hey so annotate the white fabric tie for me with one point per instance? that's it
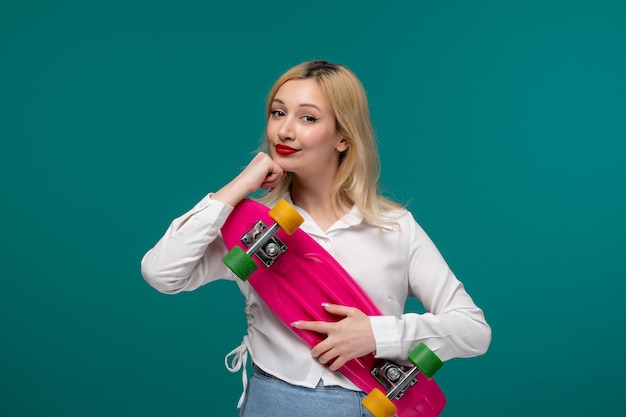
(239, 361)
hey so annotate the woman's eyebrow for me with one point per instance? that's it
(300, 105)
(310, 105)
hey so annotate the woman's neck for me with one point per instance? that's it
(315, 197)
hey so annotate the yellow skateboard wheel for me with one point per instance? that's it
(379, 405)
(286, 216)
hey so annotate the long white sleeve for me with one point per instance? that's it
(453, 325)
(189, 256)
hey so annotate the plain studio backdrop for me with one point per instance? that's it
(500, 125)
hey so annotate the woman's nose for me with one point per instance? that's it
(286, 130)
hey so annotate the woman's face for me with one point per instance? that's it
(301, 130)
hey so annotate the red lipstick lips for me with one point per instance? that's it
(285, 150)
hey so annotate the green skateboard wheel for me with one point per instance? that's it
(240, 263)
(426, 360)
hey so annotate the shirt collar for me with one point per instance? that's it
(354, 217)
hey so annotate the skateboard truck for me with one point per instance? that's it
(262, 242)
(395, 378)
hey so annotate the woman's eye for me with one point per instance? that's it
(277, 113)
(309, 119)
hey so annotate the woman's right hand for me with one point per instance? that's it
(261, 172)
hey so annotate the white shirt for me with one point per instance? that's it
(390, 264)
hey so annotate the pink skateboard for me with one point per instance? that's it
(294, 275)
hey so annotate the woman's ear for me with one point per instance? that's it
(343, 145)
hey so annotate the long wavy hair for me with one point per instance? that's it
(357, 180)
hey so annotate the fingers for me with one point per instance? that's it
(333, 360)
(346, 339)
(261, 172)
(272, 180)
(339, 310)
(325, 352)
(323, 326)
(268, 172)
(314, 326)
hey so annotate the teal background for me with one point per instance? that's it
(501, 125)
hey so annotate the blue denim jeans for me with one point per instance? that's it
(268, 396)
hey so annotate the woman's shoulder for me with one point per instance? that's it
(394, 218)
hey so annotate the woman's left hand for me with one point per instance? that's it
(348, 338)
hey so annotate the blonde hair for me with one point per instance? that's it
(357, 180)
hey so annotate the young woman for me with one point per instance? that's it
(320, 155)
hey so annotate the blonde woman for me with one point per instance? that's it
(320, 154)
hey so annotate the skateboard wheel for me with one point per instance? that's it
(240, 263)
(286, 216)
(379, 405)
(425, 359)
